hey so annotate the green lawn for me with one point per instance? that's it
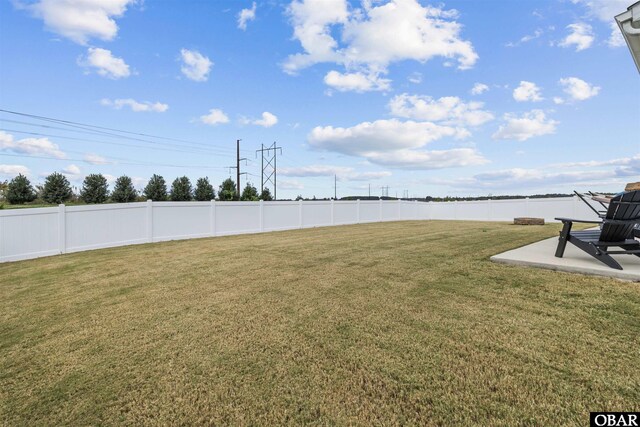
(392, 323)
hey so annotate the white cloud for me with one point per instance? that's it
(415, 78)
(288, 184)
(136, 106)
(266, 121)
(80, 20)
(30, 146)
(13, 170)
(429, 159)
(374, 36)
(94, 159)
(195, 66)
(449, 110)
(527, 38)
(605, 10)
(245, 16)
(343, 173)
(72, 170)
(578, 89)
(530, 124)
(357, 82)
(581, 36)
(104, 63)
(395, 143)
(479, 88)
(527, 91)
(558, 100)
(215, 117)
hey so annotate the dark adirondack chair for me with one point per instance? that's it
(616, 230)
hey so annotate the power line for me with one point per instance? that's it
(70, 138)
(113, 163)
(84, 125)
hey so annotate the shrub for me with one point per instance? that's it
(249, 193)
(123, 191)
(156, 189)
(56, 189)
(266, 195)
(181, 190)
(227, 190)
(94, 189)
(19, 190)
(204, 190)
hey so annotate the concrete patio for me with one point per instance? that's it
(541, 255)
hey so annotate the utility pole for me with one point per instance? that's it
(369, 190)
(237, 167)
(269, 165)
(335, 187)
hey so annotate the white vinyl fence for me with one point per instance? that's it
(38, 232)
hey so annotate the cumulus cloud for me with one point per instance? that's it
(479, 88)
(580, 35)
(245, 16)
(94, 159)
(136, 106)
(527, 91)
(394, 143)
(577, 89)
(530, 124)
(30, 146)
(343, 173)
(356, 82)
(604, 11)
(195, 66)
(448, 110)
(13, 170)
(104, 63)
(268, 119)
(80, 21)
(214, 117)
(374, 36)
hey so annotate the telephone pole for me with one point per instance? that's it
(269, 167)
(335, 187)
(237, 167)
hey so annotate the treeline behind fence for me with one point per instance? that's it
(37, 232)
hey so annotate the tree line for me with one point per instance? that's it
(95, 189)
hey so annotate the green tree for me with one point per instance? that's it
(123, 191)
(19, 190)
(94, 189)
(227, 190)
(250, 193)
(156, 189)
(181, 190)
(266, 195)
(56, 189)
(204, 190)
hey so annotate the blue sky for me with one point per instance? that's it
(431, 98)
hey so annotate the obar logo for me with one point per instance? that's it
(614, 419)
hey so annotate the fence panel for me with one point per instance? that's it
(280, 216)
(29, 233)
(181, 220)
(95, 226)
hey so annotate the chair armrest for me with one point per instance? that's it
(585, 221)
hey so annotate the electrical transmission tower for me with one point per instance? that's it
(385, 191)
(269, 167)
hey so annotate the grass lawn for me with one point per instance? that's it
(392, 323)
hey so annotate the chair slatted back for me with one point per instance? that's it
(628, 209)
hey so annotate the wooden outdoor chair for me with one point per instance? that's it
(616, 230)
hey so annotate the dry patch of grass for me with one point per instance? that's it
(394, 323)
